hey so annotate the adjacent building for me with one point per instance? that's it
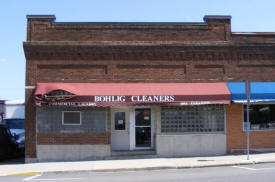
(2, 102)
(14, 109)
(99, 89)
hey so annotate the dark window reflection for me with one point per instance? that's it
(143, 117)
(143, 127)
(261, 116)
(143, 136)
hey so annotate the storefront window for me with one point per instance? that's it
(261, 116)
(196, 119)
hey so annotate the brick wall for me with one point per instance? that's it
(30, 125)
(46, 29)
(264, 37)
(236, 137)
(73, 138)
(140, 52)
(154, 71)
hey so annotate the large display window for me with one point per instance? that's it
(261, 116)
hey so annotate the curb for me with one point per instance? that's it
(20, 173)
(139, 169)
(159, 168)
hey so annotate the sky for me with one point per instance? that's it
(247, 16)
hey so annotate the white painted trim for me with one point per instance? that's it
(29, 87)
(225, 121)
(80, 119)
(153, 125)
(132, 128)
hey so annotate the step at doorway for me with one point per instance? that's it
(133, 152)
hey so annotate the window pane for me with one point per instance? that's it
(143, 117)
(71, 117)
(15, 123)
(120, 120)
(2, 131)
(261, 116)
(143, 136)
(196, 119)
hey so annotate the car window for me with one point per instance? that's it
(15, 123)
(8, 131)
(3, 131)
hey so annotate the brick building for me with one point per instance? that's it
(97, 89)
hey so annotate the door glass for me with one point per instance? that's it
(143, 127)
(143, 136)
(119, 120)
(143, 117)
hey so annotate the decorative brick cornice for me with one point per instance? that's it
(160, 52)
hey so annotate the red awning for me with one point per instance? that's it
(111, 94)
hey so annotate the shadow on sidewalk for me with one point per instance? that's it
(18, 160)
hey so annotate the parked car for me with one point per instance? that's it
(8, 144)
(17, 129)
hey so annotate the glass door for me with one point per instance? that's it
(143, 128)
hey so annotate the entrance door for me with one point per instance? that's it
(143, 128)
(120, 138)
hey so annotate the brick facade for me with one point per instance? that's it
(236, 136)
(142, 52)
(73, 138)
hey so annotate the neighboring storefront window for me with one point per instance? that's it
(261, 116)
(196, 119)
(71, 118)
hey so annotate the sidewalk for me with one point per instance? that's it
(134, 164)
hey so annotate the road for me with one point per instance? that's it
(244, 173)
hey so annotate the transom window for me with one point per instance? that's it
(261, 116)
(196, 119)
(71, 118)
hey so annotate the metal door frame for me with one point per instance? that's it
(133, 127)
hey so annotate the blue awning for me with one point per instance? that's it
(260, 91)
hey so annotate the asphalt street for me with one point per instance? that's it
(243, 173)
